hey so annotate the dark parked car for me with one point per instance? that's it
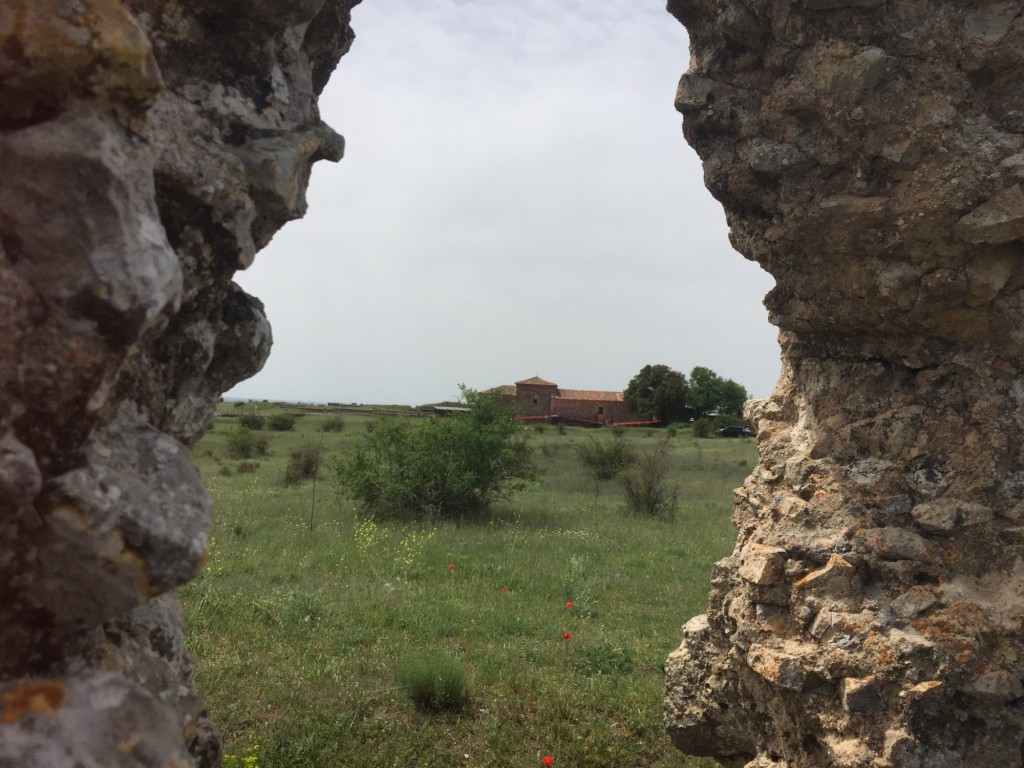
(734, 432)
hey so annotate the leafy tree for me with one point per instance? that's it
(658, 392)
(733, 396)
(710, 394)
(450, 466)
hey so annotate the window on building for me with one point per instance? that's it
(600, 410)
(534, 399)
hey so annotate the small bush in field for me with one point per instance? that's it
(332, 424)
(243, 443)
(449, 466)
(604, 459)
(247, 467)
(303, 464)
(561, 429)
(434, 681)
(251, 421)
(648, 490)
(225, 471)
(281, 422)
(618, 431)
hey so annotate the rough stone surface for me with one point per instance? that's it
(148, 149)
(870, 156)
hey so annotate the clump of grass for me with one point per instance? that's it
(602, 659)
(435, 682)
(247, 467)
(281, 422)
(225, 471)
(243, 443)
(303, 464)
(332, 424)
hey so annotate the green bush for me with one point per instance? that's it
(303, 464)
(648, 490)
(251, 421)
(243, 443)
(332, 424)
(450, 466)
(434, 681)
(605, 459)
(708, 425)
(281, 422)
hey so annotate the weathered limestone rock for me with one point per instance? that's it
(148, 149)
(870, 156)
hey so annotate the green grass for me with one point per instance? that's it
(301, 633)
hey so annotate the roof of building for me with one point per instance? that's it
(587, 394)
(537, 381)
(504, 389)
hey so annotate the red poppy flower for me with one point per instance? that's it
(451, 565)
(569, 604)
(566, 636)
(548, 760)
(504, 589)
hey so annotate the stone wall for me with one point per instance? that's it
(148, 149)
(870, 155)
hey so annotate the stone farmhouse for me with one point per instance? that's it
(537, 399)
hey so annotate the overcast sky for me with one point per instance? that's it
(516, 200)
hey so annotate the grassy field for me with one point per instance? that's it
(559, 608)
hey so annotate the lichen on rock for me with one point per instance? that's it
(148, 149)
(868, 155)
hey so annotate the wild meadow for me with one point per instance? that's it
(532, 636)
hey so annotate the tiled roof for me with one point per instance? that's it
(588, 394)
(504, 389)
(537, 381)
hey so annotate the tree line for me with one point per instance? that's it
(658, 392)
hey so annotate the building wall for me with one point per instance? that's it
(600, 411)
(534, 399)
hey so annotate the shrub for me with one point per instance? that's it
(561, 429)
(303, 464)
(604, 459)
(618, 431)
(281, 422)
(247, 467)
(251, 420)
(452, 466)
(332, 424)
(708, 425)
(648, 491)
(434, 681)
(243, 443)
